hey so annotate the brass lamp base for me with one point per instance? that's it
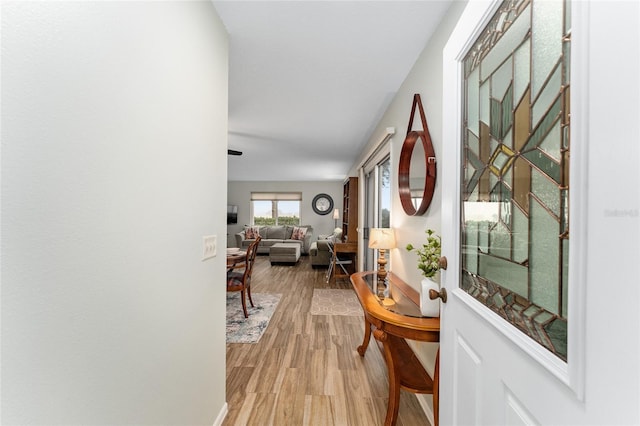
(382, 274)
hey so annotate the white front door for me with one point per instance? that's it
(492, 373)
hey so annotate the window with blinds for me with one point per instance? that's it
(275, 208)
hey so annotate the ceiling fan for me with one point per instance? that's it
(233, 152)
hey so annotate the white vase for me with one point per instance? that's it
(428, 307)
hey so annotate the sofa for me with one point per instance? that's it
(273, 234)
(319, 253)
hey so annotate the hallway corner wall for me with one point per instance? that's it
(114, 127)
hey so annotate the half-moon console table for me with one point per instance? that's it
(393, 319)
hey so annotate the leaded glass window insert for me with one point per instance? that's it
(515, 175)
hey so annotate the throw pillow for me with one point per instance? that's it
(263, 231)
(251, 232)
(298, 233)
(288, 232)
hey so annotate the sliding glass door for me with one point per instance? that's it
(377, 202)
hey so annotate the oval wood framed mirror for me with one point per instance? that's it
(416, 173)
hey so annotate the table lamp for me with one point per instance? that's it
(336, 216)
(382, 239)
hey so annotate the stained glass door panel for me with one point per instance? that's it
(515, 180)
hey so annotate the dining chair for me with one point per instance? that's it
(241, 281)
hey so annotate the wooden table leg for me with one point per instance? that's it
(405, 372)
(393, 405)
(367, 336)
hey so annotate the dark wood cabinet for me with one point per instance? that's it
(350, 211)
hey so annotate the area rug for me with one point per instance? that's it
(249, 330)
(335, 302)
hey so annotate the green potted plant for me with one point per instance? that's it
(428, 254)
(429, 264)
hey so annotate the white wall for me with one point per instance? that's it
(114, 124)
(425, 78)
(239, 194)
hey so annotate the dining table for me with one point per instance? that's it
(236, 259)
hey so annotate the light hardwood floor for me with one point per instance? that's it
(305, 369)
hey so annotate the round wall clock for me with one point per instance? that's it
(322, 204)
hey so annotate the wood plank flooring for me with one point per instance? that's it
(305, 369)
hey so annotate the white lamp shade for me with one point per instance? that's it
(336, 214)
(382, 238)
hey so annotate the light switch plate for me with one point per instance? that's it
(209, 246)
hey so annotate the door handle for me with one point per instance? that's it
(442, 294)
(442, 263)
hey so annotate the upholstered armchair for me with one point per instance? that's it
(319, 252)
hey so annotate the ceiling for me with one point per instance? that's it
(309, 80)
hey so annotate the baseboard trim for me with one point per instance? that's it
(426, 403)
(221, 415)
